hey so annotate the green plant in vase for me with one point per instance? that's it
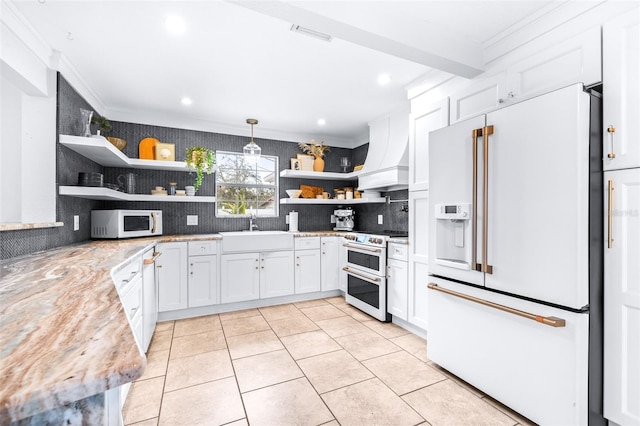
(104, 126)
(201, 160)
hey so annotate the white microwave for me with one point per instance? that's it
(125, 223)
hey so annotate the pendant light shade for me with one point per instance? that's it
(252, 150)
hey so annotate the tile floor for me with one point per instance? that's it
(317, 362)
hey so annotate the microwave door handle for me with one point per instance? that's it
(155, 222)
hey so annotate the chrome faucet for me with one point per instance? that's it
(252, 225)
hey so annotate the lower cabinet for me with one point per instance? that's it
(418, 259)
(276, 274)
(397, 281)
(202, 281)
(171, 268)
(307, 273)
(149, 298)
(330, 261)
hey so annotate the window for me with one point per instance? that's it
(244, 188)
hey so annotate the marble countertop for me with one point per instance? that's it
(64, 334)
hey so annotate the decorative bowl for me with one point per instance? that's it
(294, 193)
(117, 142)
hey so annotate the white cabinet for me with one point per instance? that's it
(307, 265)
(422, 120)
(418, 259)
(342, 263)
(203, 273)
(480, 95)
(621, 82)
(622, 297)
(239, 277)
(330, 262)
(397, 280)
(171, 268)
(276, 274)
(149, 297)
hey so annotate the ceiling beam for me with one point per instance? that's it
(441, 51)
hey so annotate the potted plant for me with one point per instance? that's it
(102, 123)
(317, 150)
(201, 160)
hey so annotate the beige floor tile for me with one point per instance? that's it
(331, 423)
(156, 365)
(370, 403)
(413, 344)
(293, 325)
(509, 412)
(386, 329)
(196, 325)
(164, 326)
(278, 312)
(317, 313)
(448, 403)
(143, 400)
(289, 403)
(212, 403)
(333, 370)
(309, 303)
(356, 314)
(402, 372)
(239, 314)
(266, 369)
(241, 422)
(336, 301)
(366, 345)
(197, 369)
(237, 326)
(309, 344)
(477, 392)
(160, 342)
(197, 343)
(341, 326)
(253, 344)
(150, 422)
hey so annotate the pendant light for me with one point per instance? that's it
(252, 150)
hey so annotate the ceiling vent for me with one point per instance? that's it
(309, 32)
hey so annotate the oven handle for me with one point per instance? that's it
(372, 250)
(360, 274)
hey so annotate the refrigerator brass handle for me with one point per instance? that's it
(611, 130)
(155, 222)
(610, 218)
(550, 321)
(351, 271)
(488, 130)
(474, 220)
(372, 250)
(149, 261)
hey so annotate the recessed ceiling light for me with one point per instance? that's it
(175, 24)
(321, 122)
(186, 101)
(384, 79)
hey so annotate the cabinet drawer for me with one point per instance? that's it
(132, 300)
(127, 272)
(202, 248)
(306, 243)
(398, 251)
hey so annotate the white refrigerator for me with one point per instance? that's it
(515, 257)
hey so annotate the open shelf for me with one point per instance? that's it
(299, 174)
(331, 201)
(101, 151)
(97, 193)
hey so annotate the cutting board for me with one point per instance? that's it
(146, 148)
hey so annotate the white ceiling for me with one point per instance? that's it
(239, 59)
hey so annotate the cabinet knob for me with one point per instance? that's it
(158, 266)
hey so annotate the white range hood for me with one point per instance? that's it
(387, 165)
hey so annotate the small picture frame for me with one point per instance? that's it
(306, 162)
(165, 152)
(295, 164)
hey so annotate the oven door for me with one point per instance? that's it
(369, 259)
(367, 292)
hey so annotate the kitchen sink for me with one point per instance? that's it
(256, 241)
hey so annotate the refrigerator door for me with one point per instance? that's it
(538, 198)
(451, 166)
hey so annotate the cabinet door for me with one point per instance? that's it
(276, 274)
(240, 277)
(621, 79)
(479, 96)
(171, 268)
(622, 297)
(418, 258)
(203, 281)
(330, 262)
(149, 300)
(397, 288)
(307, 272)
(423, 119)
(342, 263)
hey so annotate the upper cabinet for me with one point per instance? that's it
(621, 85)
(423, 119)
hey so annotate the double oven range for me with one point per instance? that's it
(366, 269)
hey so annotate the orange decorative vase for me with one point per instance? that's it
(318, 165)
